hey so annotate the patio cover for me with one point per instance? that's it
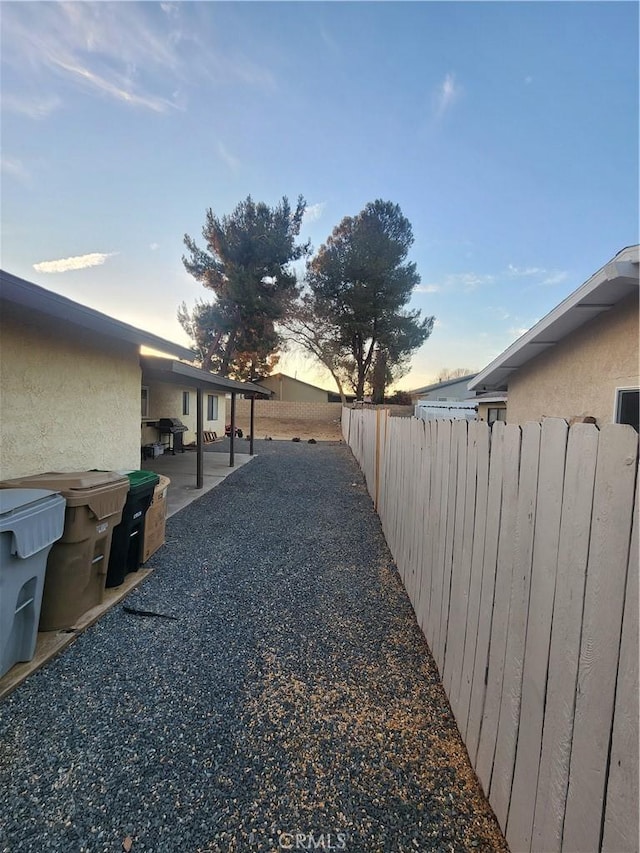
(179, 373)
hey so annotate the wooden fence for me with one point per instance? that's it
(518, 548)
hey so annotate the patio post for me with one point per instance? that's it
(233, 429)
(199, 441)
(252, 423)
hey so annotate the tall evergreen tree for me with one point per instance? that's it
(360, 282)
(247, 265)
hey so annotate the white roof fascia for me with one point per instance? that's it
(612, 283)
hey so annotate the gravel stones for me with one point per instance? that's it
(293, 704)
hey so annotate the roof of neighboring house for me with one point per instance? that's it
(437, 385)
(168, 370)
(37, 299)
(293, 379)
(612, 283)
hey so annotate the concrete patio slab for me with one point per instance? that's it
(181, 471)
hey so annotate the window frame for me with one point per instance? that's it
(186, 396)
(617, 399)
(144, 401)
(212, 408)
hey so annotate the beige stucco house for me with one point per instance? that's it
(72, 380)
(289, 390)
(581, 360)
(161, 398)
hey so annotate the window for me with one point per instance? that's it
(496, 415)
(212, 407)
(144, 402)
(185, 402)
(627, 407)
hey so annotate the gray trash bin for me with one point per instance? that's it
(31, 520)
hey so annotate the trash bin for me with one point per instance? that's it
(31, 520)
(77, 564)
(155, 520)
(126, 547)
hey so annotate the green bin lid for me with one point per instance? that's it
(138, 479)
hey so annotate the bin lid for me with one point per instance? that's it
(141, 481)
(142, 478)
(80, 488)
(34, 517)
(66, 481)
(14, 499)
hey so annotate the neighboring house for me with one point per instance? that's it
(287, 389)
(71, 383)
(450, 389)
(581, 360)
(491, 407)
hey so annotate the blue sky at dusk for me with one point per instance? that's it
(506, 131)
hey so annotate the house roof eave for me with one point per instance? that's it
(179, 373)
(25, 294)
(608, 286)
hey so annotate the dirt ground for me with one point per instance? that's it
(286, 429)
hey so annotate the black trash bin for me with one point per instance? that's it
(128, 536)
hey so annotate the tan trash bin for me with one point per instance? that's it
(77, 563)
(155, 520)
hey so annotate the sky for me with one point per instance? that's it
(507, 132)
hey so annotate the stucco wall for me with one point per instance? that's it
(68, 401)
(165, 401)
(578, 377)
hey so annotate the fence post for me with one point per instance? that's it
(377, 474)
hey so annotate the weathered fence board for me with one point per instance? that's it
(538, 630)
(481, 432)
(601, 629)
(462, 573)
(487, 592)
(621, 814)
(573, 549)
(509, 719)
(501, 602)
(519, 553)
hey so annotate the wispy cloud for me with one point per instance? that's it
(230, 159)
(547, 277)
(15, 168)
(36, 107)
(313, 212)
(464, 281)
(144, 55)
(555, 277)
(154, 246)
(516, 332)
(79, 262)
(447, 94)
(519, 271)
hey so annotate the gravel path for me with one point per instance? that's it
(294, 694)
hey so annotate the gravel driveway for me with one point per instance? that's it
(292, 705)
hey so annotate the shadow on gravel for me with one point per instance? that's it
(291, 704)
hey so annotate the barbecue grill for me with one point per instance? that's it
(173, 427)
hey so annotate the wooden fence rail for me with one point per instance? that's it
(518, 548)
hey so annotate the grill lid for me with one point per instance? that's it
(171, 425)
